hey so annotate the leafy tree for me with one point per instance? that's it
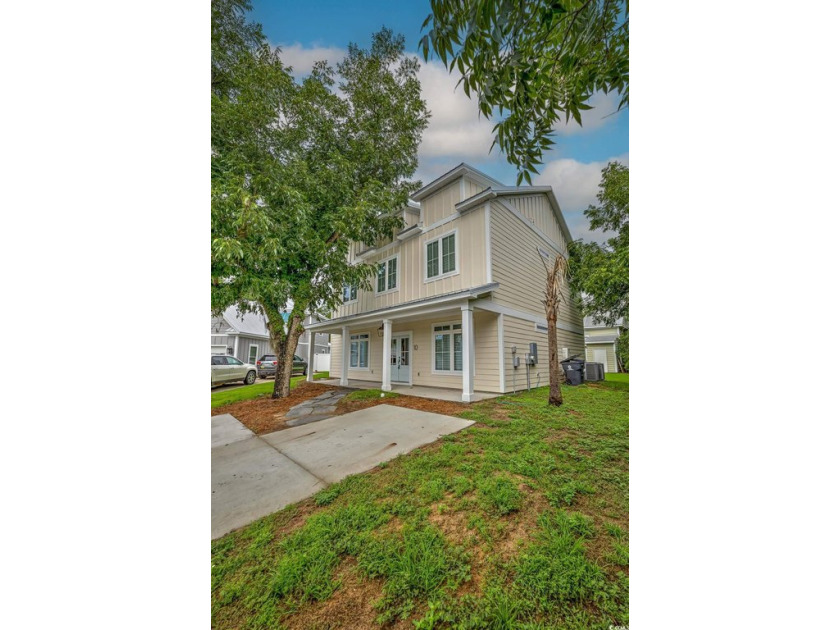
(600, 275)
(302, 171)
(534, 61)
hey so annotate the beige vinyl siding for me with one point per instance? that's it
(518, 267)
(486, 351)
(471, 187)
(441, 204)
(537, 209)
(612, 363)
(521, 333)
(470, 260)
(597, 332)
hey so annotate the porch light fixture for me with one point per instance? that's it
(379, 331)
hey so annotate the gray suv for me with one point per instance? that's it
(267, 366)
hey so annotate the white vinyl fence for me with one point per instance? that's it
(322, 363)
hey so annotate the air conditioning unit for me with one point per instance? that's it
(594, 371)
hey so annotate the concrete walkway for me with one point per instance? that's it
(253, 476)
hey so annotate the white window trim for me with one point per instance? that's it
(349, 301)
(450, 332)
(350, 345)
(384, 261)
(441, 275)
(256, 356)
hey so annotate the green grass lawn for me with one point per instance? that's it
(246, 392)
(518, 521)
(368, 394)
(617, 378)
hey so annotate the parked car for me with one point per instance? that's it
(226, 369)
(267, 366)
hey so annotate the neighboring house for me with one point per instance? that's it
(457, 288)
(245, 336)
(601, 343)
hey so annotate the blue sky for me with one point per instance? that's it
(322, 29)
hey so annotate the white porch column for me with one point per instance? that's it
(386, 355)
(236, 346)
(467, 352)
(345, 355)
(310, 369)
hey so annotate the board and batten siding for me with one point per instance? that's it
(518, 268)
(537, 209)
(411, 269)
(486, 352)
(611, 364)
(263, 347)
(521, 333)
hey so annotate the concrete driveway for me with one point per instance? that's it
(253, 476)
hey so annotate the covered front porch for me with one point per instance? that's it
(444, 347)
(421, 391)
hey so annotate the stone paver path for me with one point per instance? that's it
(319, 408)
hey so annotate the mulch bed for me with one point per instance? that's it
(267, 414)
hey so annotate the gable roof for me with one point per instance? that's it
(246, 323)
(493, 192)
(450, 176)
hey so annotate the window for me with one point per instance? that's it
(359, 346)
(386, 275)
(448, 348)
(440, 257)
(218, 360)
(350, 293)
(234, 361)
(252, 353)
(543, 328)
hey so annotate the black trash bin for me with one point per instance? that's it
(574, 371)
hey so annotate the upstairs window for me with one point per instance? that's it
(440, 257)
(386, 275)
(350, 293)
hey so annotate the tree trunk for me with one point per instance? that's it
(555, 372)
(279, 339)
(553, 295)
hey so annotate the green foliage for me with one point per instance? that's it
(622, 349)
(299, 171)
(533, 62)
(600, 275)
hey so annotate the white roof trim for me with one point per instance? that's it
(509, 191)
(447, 178)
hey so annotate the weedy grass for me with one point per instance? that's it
(519, 521)
(369, 394)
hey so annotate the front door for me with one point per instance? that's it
(400, 359)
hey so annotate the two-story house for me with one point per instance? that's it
(456, 290)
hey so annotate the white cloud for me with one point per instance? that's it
(302, 58)
(575, 185)
(456, 128)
